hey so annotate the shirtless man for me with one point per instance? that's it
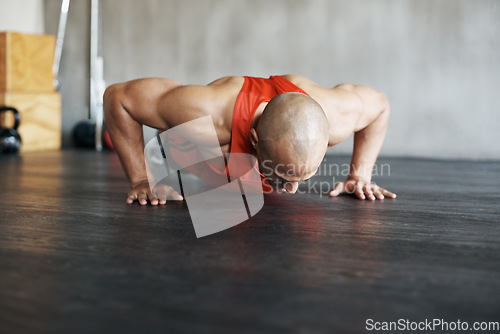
(285, 121)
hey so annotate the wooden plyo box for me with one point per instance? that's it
(40, 126)
(26, 62)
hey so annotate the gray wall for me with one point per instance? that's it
(23, 16)
(437, 61)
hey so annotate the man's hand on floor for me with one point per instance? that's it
(362, 190)
(142, 194)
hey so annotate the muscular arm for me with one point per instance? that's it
(162, 104)
(370, 130)
(127, 137)
(127, 107)
(368, 141)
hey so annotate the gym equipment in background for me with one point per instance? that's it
(61, 29)
(10, 140)
(84, 134)
(97, 83)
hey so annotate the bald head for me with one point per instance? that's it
(293, 121)
(293, 131)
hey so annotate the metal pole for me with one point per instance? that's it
(97, 84)
(60, 41)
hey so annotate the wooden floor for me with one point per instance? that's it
(74, 258)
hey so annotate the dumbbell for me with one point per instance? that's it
(10, 140)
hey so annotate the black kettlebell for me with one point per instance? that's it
(10, 140)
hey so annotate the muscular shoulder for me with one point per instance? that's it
(368, 101)
(365, 94)
(188, 102)
(348, 107)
